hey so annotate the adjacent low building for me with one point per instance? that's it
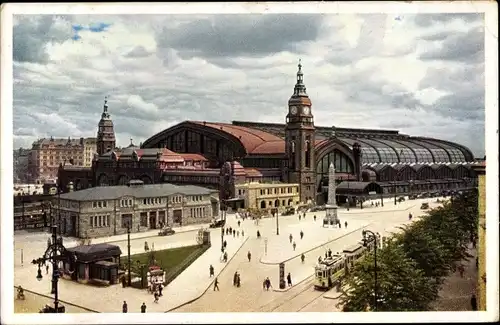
(109, 210)
(266, 196)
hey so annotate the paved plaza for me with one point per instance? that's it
(195, 282)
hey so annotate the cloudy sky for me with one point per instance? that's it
(420, 74)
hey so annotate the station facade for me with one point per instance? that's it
(296, 152)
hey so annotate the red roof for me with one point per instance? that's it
(252, 172)
(193, 156)
(250, 138)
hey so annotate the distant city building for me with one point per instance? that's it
(109, 210)
(267, 196)
(47, 154)
(20, 161)
(382, 162)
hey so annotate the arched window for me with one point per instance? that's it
(343, 163)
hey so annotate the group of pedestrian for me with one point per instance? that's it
(303, 215)
(291, 239)
(125, 307)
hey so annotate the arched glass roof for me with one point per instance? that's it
(405, 151)
(368, 154)
(386, 153)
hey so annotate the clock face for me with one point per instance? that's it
(306, 110)
(293, 109)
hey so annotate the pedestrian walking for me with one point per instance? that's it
(345, 225)
(224, 244)
(249, 255)
(211, 270)
(242, 233)
(329, 252)
(301, 234)
(473, 302)
(238, 280)
(290, 237)
(300, 217)
(234, 234)
(239, 223)
(304, 216)
(157, 297)
(302, 258)
(47, 269)
(294, 245)
(289, 279)
(225, 256)
(314, 217)
(143, 307)
(216, 284)
(258, 234)
(264, 285)
(238, 234)
(235, 278)
(268, 283)
(340, 225)
(160, 289)
(124, 307)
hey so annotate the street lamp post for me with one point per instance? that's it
(277, 224)
(55, 253)
(394, 188)
(369, 236)
(129, 278)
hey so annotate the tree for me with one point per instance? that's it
(402, 286)
(426, 250)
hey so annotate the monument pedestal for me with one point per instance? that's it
(331, 217)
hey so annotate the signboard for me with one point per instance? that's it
(282, 276)
(372, 193)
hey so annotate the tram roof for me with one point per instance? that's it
(353, 248)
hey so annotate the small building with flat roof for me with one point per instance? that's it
(109, 210)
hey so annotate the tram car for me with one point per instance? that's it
(329, 271)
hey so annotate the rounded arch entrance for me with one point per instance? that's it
(103, 180)
(146, 179)
(123, 180)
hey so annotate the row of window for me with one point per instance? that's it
(99, 204)
(199, 212)
(276, 190)
(276, 203)
(99, 221)
(126, 203)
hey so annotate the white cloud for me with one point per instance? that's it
(360, 71)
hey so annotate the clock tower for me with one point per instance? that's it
(105, 133)
(299, 141)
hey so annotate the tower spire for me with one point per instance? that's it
(105, 113)
(300, 88)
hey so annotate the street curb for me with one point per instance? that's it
(348, 212)
(52, 298)
(208, 287)
(316, 247)
(333, 297)
(296, 284)
(148, 236)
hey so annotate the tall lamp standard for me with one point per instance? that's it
(369, 236)
(55, 253)
(129, 278)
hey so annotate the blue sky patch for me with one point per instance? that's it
(94, 28)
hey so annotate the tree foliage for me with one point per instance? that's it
(411, 268)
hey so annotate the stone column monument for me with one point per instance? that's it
(331, 217)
